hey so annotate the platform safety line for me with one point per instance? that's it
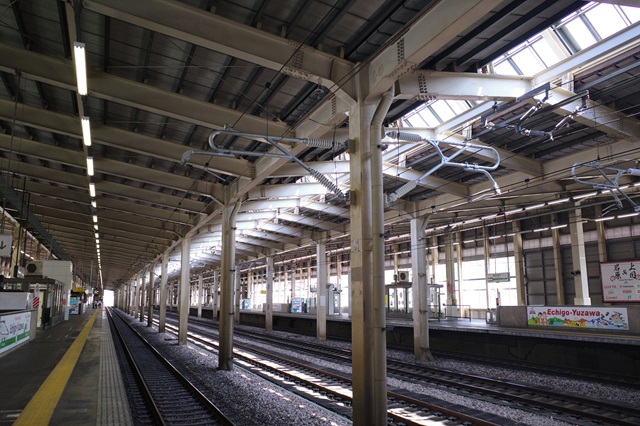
(41, 407)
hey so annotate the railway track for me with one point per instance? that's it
(168, 396)
(562, 405)
(333, 390)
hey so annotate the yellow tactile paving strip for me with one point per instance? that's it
(40, 409)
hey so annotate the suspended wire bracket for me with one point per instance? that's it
(444, 161)
(274, 141)
(517, 123)
(610, 177)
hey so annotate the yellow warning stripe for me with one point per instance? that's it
(40, 409)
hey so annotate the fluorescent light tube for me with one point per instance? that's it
(90, 166)
(86, 131)
(92, 190)
(80, 61)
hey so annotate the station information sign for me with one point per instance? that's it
(620, 281)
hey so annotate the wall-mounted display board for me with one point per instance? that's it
(620, 281)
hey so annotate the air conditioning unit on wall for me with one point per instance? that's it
(403, 276)
(33, 268)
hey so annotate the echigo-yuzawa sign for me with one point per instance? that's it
(603, 318)
(14, 329)
(620, 281)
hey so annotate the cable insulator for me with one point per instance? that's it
(404, 136)
(325, 181)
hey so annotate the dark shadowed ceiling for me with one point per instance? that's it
(164, 74)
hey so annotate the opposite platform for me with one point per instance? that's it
(68, 374)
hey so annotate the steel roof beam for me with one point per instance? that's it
(231, 38)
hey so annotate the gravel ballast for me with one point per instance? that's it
(253, 400)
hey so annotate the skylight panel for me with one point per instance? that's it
(545, 52)
(504, 68)
(528, 62)
(605, 19)
(422, 117)
(632, 13)
(443, 110)
(458, 106)
(581, 35)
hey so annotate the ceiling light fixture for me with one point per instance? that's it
(86, 131)
(535, 206)
(558, 201)
(90, 166)
(92, 190)
(602, 219)
(621, 216)
(80, 61)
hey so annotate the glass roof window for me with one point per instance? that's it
(591, 24)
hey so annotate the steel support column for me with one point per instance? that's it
(163, 292)
(185, 284)
(557, 262)
(200, 290)
(268, 324)
(579, 257)
(322, 288)
(150, 297)
(519, 263)
(225, 353)
(419, 286)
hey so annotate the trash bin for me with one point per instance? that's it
(492, 316)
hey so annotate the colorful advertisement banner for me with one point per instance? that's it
(620, 281)
(601, 318)
(14, 330)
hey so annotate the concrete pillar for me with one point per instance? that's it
(237, 294)
(163, 292)
(136, 292)
(449, 263)
(419, 287)
(367, 262)
(458, 288)
(150, 297)
(519, 264)
(434, 259)
(225, 352)
(200, 290)
(322, 288)
(579, 257)
(487, 262)
(216, 289)
(268, 313)
(185, 284)
(602, 237)
(557, 262)
(142, 294)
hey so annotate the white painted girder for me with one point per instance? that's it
(508, 159)
(61, 73)
(314, 222)
(216, 33)
(403, 174)
(287, 190)
(610, 121)
(113, 167)
(440, 24)
(431, 85)
(63, 124)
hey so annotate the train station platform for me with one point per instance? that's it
(68, 375)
